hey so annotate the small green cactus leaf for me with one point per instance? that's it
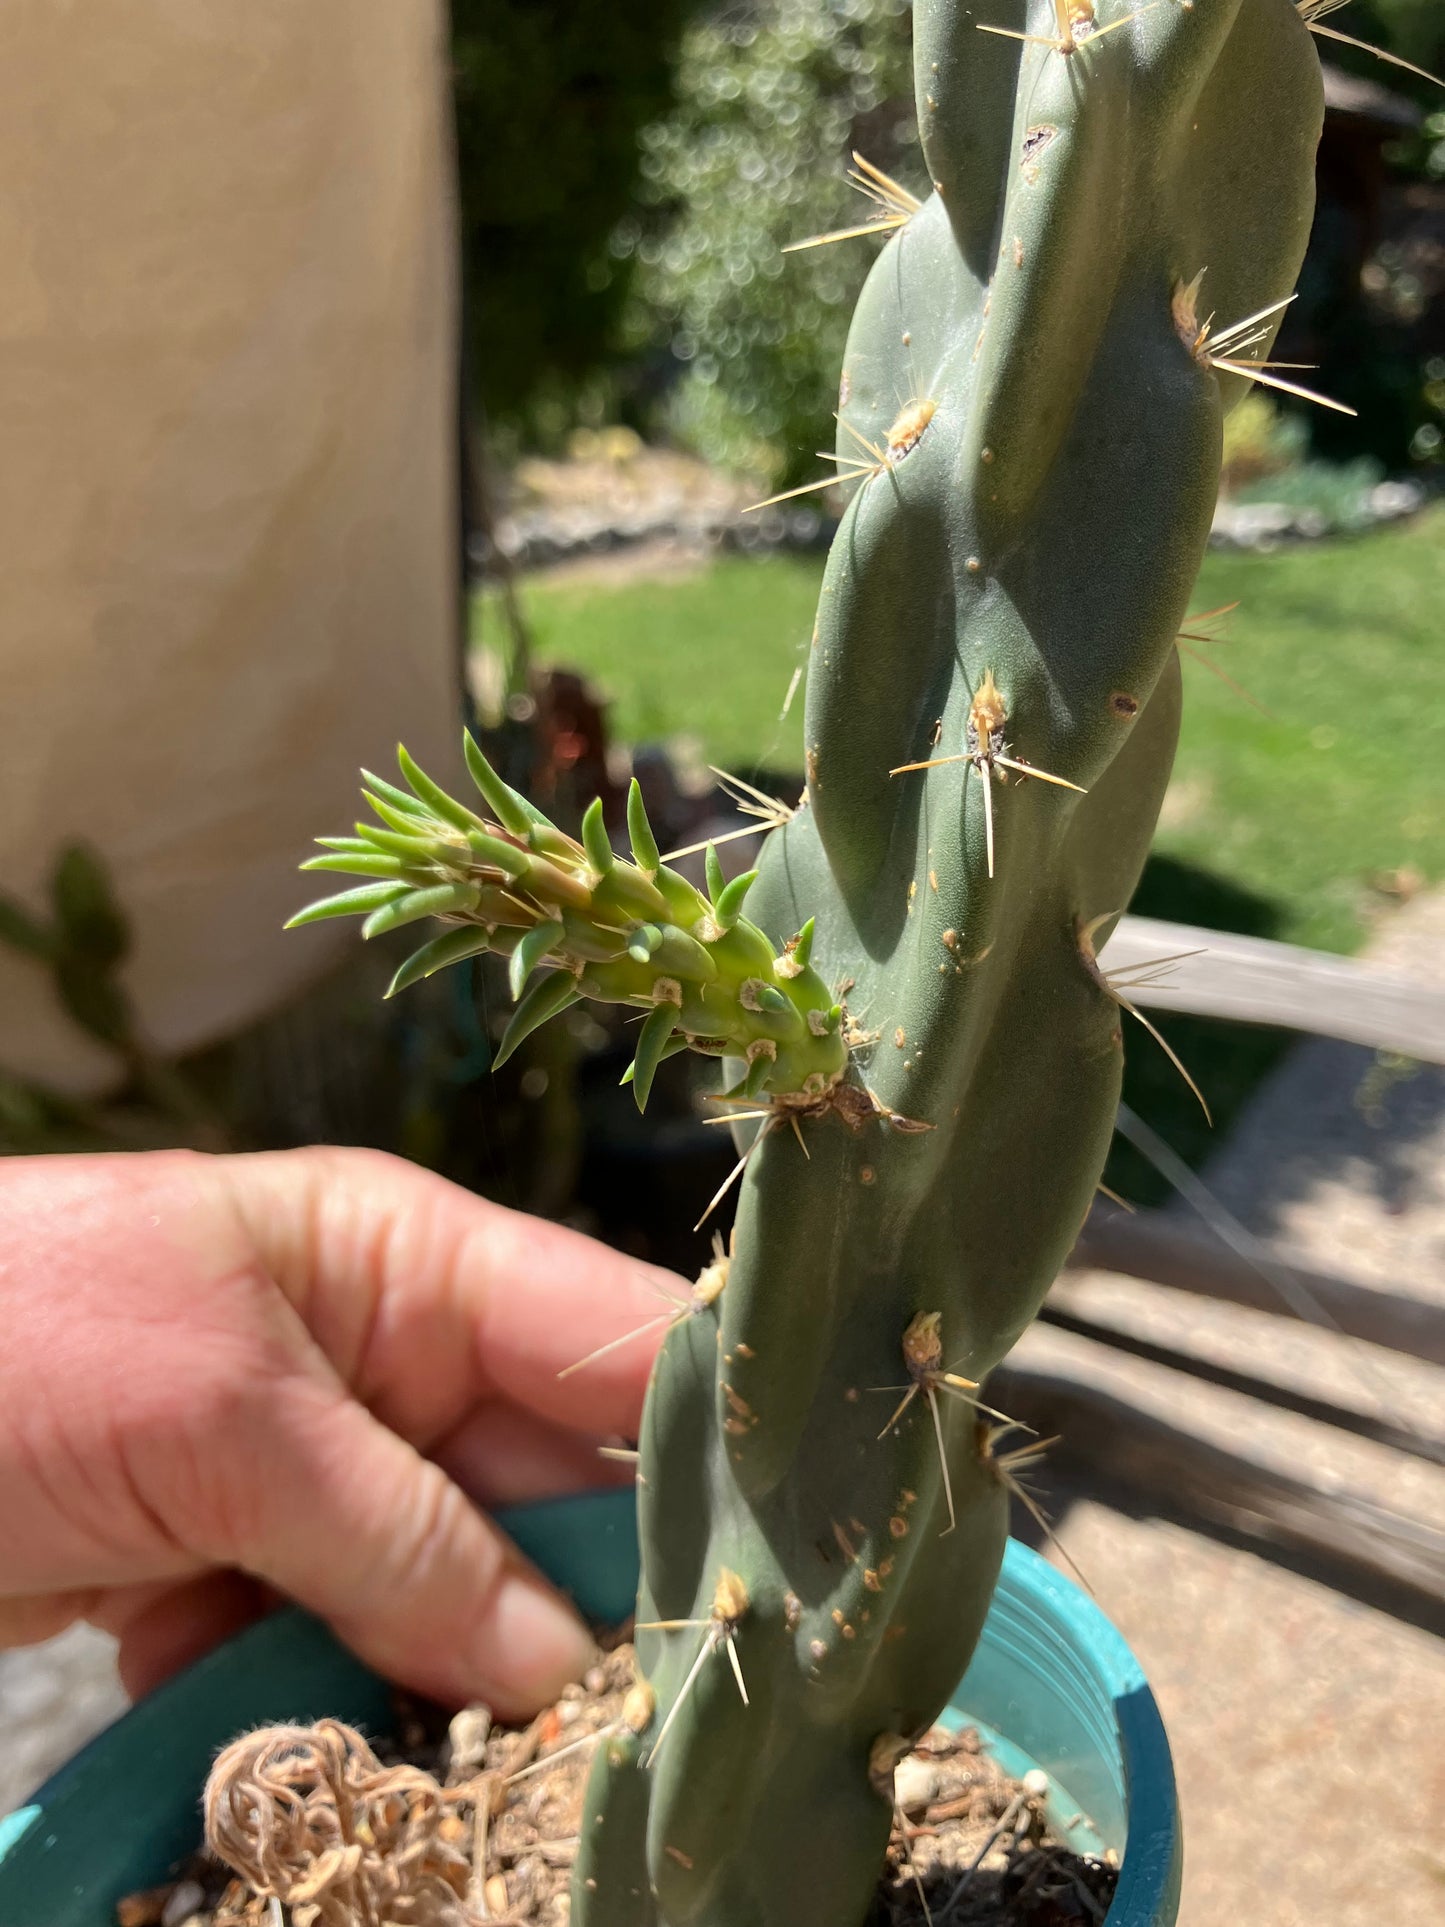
(417, 849)
(679, 1041)
(644, 942)
(433, 795)
(594, 838)
(802, 949)
(591, 941)
(716, 881)
(452, 946)
(728, 903)
(495, 850)
(438, 900)
(652, 1039)
(774, 1000)
(357, 863)
(408, 822)
(530, 951)
(628, 893)
(679, 955)
(547, 840)
(349, 903)
(93, 997)
(551, 884)
(361, 845)
(398, 798)
(502, 799)
(548, 996)
(645, 853)
(755, 1082)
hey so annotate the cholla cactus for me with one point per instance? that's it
(824, 1495)
(623, 933)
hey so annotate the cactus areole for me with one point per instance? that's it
(992, 705)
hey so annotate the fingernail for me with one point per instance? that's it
(529, 1646)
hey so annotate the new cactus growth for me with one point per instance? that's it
(623, 933)
(992, 705)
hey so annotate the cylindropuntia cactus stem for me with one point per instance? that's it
(1031, 455)
(986, 751)
(1041, 414)
(595, 925)
(720, 1634)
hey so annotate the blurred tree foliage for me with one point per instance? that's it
(550, 97)
(1413, 29)
(630, 174)
(1377, 330)
(771, 96)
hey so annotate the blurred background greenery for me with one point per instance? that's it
(633, 334)
(708, 136)
(628, 178)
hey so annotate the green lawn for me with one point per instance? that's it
(1342, 643)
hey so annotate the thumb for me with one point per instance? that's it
(351, 1521)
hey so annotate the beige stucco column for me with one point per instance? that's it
(227, 493)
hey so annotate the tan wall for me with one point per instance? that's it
(227, 499)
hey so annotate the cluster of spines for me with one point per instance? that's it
(591, 923)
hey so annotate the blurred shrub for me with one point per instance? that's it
(1329, 498)
(1374, 323)
(770, 99)
(1259, 442)
(550, 96)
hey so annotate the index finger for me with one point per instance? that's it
(427, 1298)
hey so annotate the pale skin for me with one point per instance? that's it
(300, 1374)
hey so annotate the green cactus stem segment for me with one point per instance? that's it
(1228, 348)
(1117, 984)
(720, 1630)
(1076, 20)
(593, 924)
(1031, 553)
(930, 1379)
(985, 751)
(711, 1282)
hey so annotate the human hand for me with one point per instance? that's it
(299, 1372)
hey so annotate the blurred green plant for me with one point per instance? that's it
(1259, 442)
(82, 945)
(771, 99)
(549, 100)
(1375, 327)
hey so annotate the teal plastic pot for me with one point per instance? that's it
(1052, 1685)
